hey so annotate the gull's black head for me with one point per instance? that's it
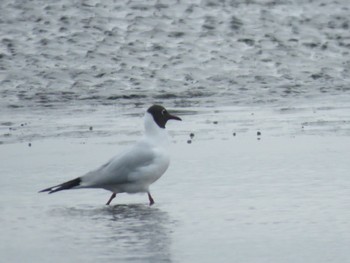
(161, 115)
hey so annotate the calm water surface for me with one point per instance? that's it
(274, 199)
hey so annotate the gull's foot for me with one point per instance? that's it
(111, 198)
(151, 201)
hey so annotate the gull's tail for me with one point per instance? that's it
(65, 186)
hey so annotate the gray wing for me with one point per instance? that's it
(119, 168)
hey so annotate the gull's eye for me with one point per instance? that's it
(163, 112)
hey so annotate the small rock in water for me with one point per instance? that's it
(191, 135)
(29, 144)
(215, 122)
(234, 134)
(91, 128)
(189, 141)
(258, 133)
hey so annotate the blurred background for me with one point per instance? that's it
(98, 59)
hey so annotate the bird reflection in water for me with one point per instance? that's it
(128, 233)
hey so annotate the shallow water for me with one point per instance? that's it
(274, 199)
(75, 79)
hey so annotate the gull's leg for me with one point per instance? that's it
(151, 201)
(111, 198)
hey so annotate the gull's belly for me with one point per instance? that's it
(152, 172)
(142, 178)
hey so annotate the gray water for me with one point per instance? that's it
(75, 79)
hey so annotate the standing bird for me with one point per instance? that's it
(136, 169)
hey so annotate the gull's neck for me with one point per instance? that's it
(153, 131)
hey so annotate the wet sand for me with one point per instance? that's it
(188, 53)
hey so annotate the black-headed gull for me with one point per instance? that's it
(136, 169)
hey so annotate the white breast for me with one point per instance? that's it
(136, 169)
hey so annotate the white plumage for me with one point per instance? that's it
(134, 170)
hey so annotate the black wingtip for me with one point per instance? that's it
(64, 186)
(45, 190)
(50, 190)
